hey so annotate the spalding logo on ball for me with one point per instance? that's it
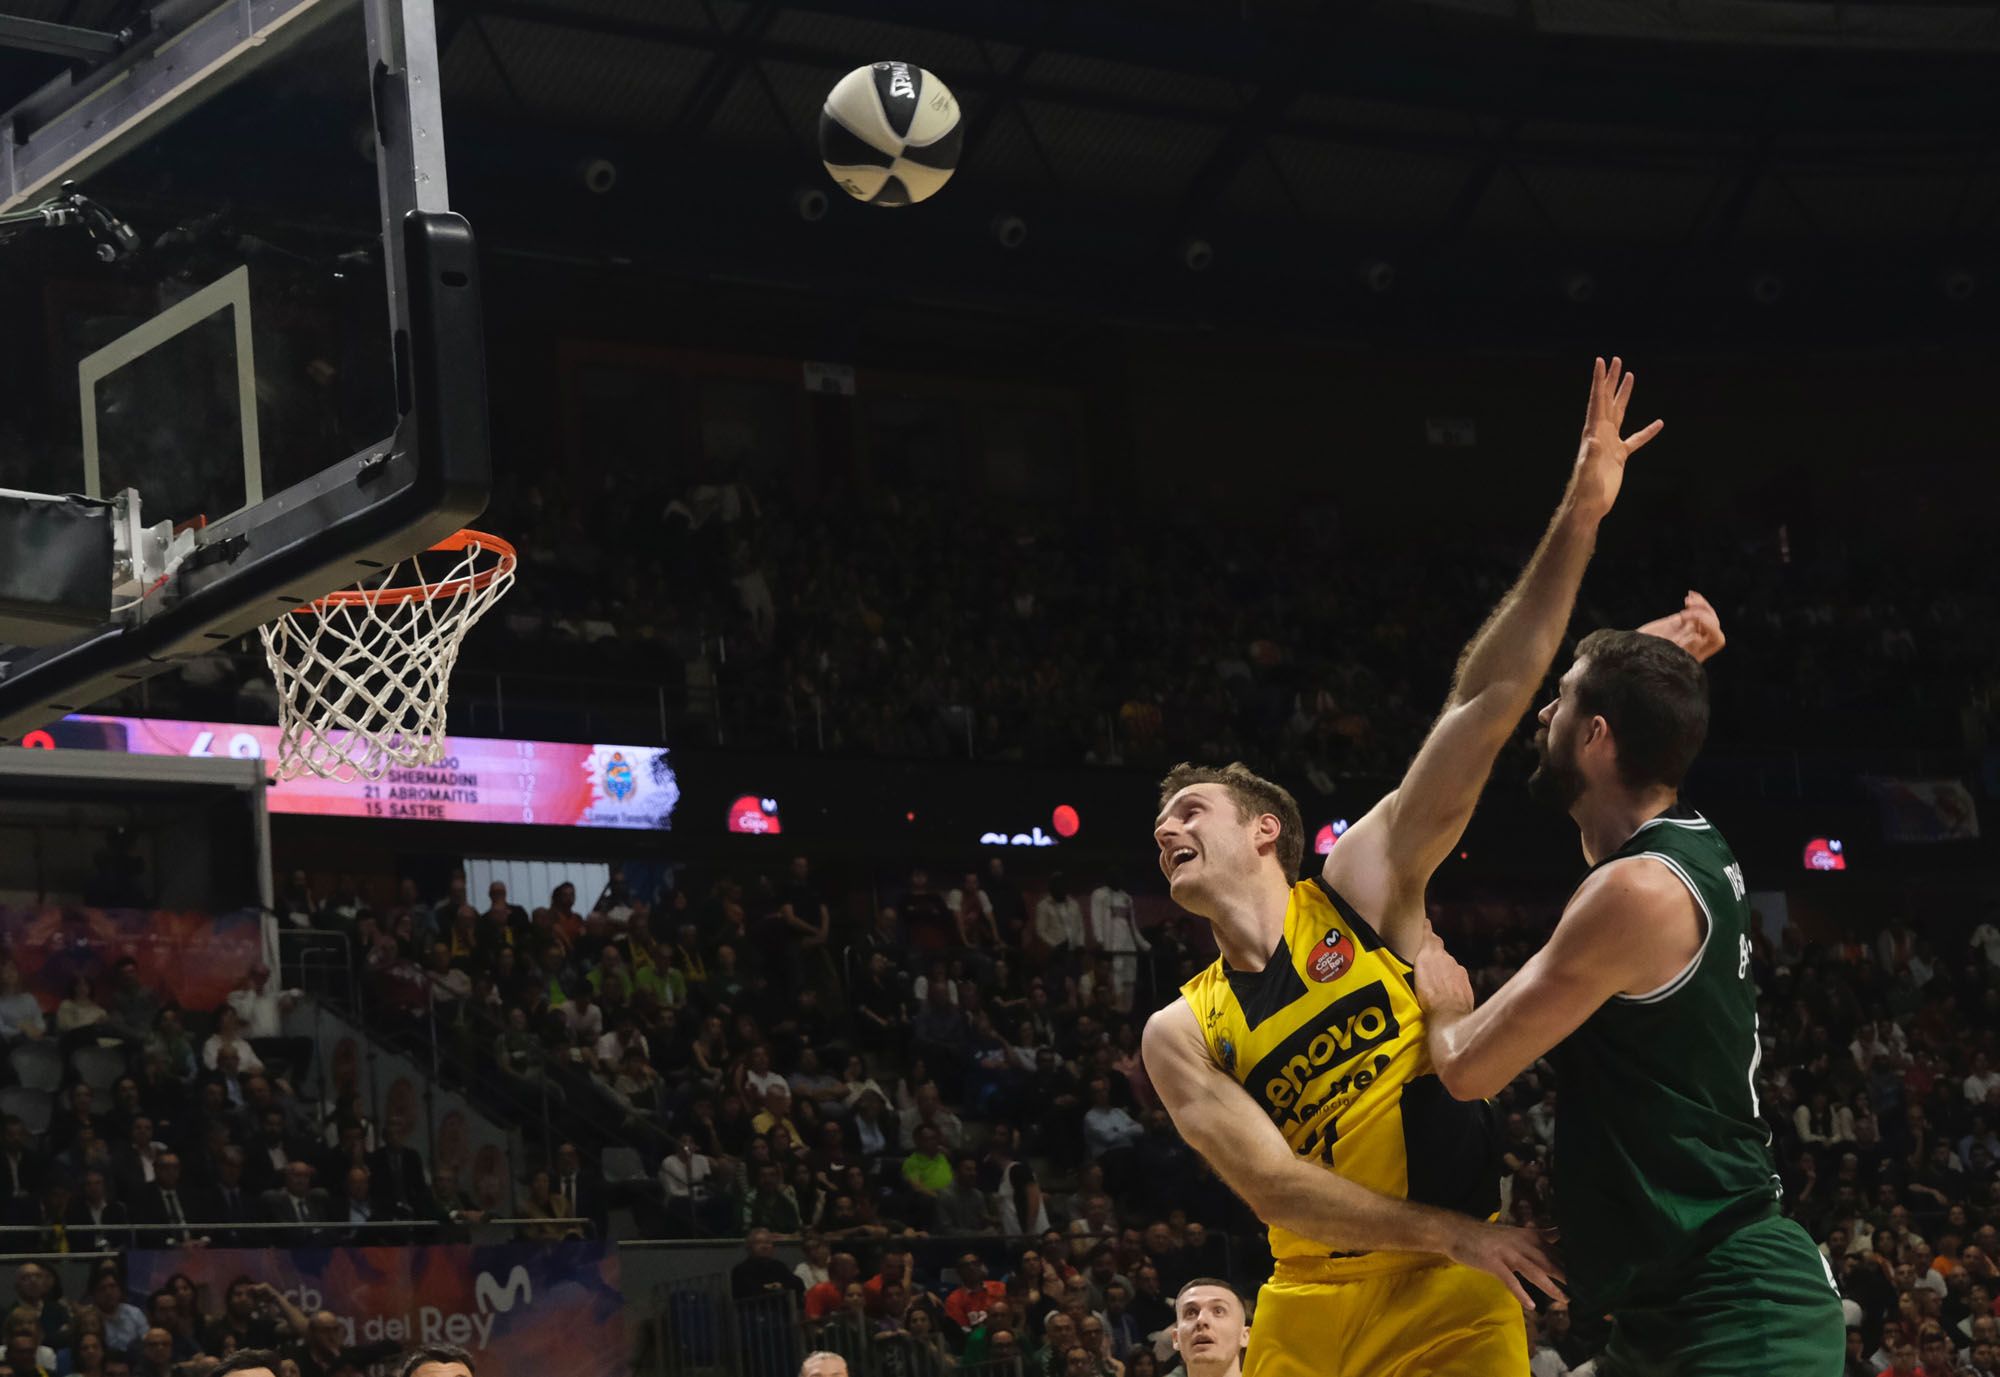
(889, 134)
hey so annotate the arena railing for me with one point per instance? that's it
(266, 1233)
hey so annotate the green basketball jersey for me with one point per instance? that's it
(1659, 1149)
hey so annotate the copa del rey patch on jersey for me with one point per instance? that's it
(1331, 957)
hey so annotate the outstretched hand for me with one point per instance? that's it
(1512, 1254)
(1695, 628)
(1600, 459)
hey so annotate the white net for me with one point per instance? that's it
(364, 675)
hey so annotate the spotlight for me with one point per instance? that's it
(1579, 288)
(1011, 231)
(1766, 289)
(811, 204)
(1378, 275)
(1197, 255)
(599, 175)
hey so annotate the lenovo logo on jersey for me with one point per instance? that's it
(1346, 1028)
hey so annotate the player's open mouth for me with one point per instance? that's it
(1179, 858)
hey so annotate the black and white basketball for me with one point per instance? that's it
(889, 133)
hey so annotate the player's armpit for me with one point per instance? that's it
(1383, 862)
(1624, 924)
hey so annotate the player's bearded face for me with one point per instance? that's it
(1558, 779)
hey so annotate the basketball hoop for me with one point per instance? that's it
(364, 673)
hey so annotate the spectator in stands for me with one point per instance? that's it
(962, 1208)
(544, 1203)
(24, 1348)
(34, 1292)
(100, 1220)
(1059, 926)
(20, 1014)
(770, 1203)
(398, 1173)
(298, 1201)
(22, 1170)
(325, 1352)
(968, 1303)
(123, 1322)
(163, 1202)
(822, 1300)
(582, 1186)
(927, 1172)
(929, 1109)
(261, 1011)
(760, 1273)
(1110, 1135)
(229, 1034)
(255, 1315)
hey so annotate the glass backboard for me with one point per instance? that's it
(234, 287)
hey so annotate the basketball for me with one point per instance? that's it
(889, 134)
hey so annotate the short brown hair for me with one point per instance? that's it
(1254, 796)
(1655, 697)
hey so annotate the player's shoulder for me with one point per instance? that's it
(1611, 893)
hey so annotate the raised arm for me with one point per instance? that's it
(1220, 1121)
(1384, 861)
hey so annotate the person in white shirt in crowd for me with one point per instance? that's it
(623, 1037)
(1875, 1040)
(1059, 925)
(229, 1033)
(262, 1011)
(1114, 928)
(20, 1012)
(688, 1177)
(585, 1018)
(1986, 938)
(1542, 1119)
(972, 908)
(1984, 1080)
(817, 1267)
(759, 1078)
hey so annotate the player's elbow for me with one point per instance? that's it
(1462, 1080)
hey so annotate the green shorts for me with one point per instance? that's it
(1761, 1304)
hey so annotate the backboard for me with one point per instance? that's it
(232, 286)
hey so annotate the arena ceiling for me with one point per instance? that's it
(1535, 154)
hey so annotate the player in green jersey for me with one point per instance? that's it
(1665, 1192)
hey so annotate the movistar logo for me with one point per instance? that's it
(492, 1297)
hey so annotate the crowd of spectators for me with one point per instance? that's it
(177, 1331)
(180, 1330)
(133, 1119)
(945, 1101)
(923, 624)
(915, 624)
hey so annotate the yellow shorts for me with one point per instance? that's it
(1429, 1318)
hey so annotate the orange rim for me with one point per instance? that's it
(451, 544)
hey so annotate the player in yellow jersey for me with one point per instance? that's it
(1297, 1063)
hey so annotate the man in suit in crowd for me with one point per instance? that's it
(297, 1202)
(582, 1186)
(94, 1219)
(164, 1202)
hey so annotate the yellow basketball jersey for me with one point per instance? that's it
(1329, 1040)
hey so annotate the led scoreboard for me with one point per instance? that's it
(480, 779)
